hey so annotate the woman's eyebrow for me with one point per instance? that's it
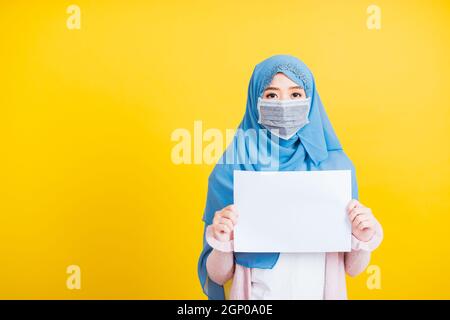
(276, 88)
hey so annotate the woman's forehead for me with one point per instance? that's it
(282, 80)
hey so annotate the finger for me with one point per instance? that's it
(227, 222)
(231, 208)
(356, 224)
(359, 208)
(354, 214)
(230, 215)
(357, 211)
(360, 218)
(365, 225)
(223, 228)
(352, 204)
(216, 218)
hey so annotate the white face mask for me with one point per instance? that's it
(283, 118)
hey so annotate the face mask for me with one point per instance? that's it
(283, 118)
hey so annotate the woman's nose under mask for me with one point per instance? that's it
(283, 118)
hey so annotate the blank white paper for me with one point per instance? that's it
(292, 211)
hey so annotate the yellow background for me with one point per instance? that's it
(86, 118)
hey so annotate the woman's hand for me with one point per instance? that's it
(224, 222)
(362, 220)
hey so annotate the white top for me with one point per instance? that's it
(295, 276)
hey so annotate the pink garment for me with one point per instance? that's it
(221, 266)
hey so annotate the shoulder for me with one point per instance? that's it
(222, 173)
(337, 160)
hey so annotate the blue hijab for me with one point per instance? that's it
(313, 147)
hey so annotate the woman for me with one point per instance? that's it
(303, 139)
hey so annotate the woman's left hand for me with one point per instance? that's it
(362, 220)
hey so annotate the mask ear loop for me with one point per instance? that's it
(258, 106)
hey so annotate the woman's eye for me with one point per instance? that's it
(271, 96)
(296, 95)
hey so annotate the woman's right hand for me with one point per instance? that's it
(224, 222)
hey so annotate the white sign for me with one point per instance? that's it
(292, 211)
